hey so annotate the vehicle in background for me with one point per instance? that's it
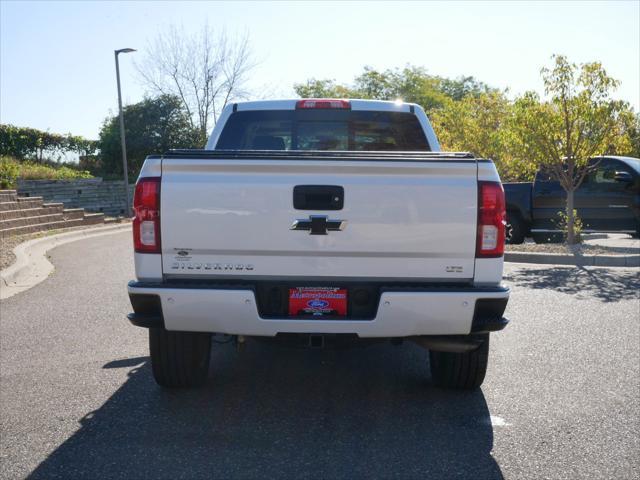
(608, 200)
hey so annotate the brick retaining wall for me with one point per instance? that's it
(92, 194)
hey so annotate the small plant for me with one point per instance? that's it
(561, 223)
(9, 171)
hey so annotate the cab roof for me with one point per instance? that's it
(356, 104)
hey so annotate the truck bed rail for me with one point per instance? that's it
(369, 156)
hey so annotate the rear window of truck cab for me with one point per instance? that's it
(322, 130)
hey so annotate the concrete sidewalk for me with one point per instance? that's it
(616, 240)
(616, 250)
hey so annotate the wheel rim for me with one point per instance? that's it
(508, 232)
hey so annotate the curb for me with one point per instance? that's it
(575, 260)
(32, 267)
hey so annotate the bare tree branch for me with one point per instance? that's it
(206, 70)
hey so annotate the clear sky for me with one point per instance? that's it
(57, 69)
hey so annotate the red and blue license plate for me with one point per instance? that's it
(318, 301)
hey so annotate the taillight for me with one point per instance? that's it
(491, 220)
(146, 220)
(323, 103)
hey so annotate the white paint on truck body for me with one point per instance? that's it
(400, 314)
(405, 221)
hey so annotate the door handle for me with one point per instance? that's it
(318, 197)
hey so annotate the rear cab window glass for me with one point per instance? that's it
(322, 136)
(322, 130)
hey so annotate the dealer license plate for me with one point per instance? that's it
(318, 301)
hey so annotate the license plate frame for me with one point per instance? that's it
(318, 302)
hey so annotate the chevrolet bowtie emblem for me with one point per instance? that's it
(318, 225)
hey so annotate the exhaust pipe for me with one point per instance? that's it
(241, 343)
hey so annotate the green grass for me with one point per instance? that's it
(11, 170)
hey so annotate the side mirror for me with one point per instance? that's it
(623, 177)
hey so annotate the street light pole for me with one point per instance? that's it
(122, 139)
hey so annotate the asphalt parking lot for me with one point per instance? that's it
(561, 398)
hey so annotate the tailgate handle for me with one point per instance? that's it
(318, 197)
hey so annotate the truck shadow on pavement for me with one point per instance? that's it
(604, 284)
(280, 412)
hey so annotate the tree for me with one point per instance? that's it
(375, 85)
(80, 145)
(411, 84)
(314, 88)
(575, 122)
(480, 124)
(628, 139)
(461, 87)
(153, 125)
(25, 143)
(204, 70)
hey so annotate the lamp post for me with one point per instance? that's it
(124, 146)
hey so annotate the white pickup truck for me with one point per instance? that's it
(319, 221)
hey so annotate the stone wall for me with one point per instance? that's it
(92, 194)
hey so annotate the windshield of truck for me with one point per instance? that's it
(322, 130)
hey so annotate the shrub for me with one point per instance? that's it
(561, 223)
(9, 171)
(12, 170)
(29, 143)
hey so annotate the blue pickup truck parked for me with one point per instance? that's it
(607, 201)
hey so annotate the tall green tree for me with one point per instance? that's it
(26, 143)
(80, 145)
(461, 87)
(411, 84)
(153, 125)
(481, 124)
(314, 88)
(577, 120)
(628, 139)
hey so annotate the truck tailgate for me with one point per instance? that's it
(226, 218)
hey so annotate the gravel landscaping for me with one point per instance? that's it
(581, 249)
(6, 249)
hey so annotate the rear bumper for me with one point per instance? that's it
(400, 313)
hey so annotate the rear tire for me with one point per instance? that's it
(460, 370)
(179, 359)
(515, 229)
